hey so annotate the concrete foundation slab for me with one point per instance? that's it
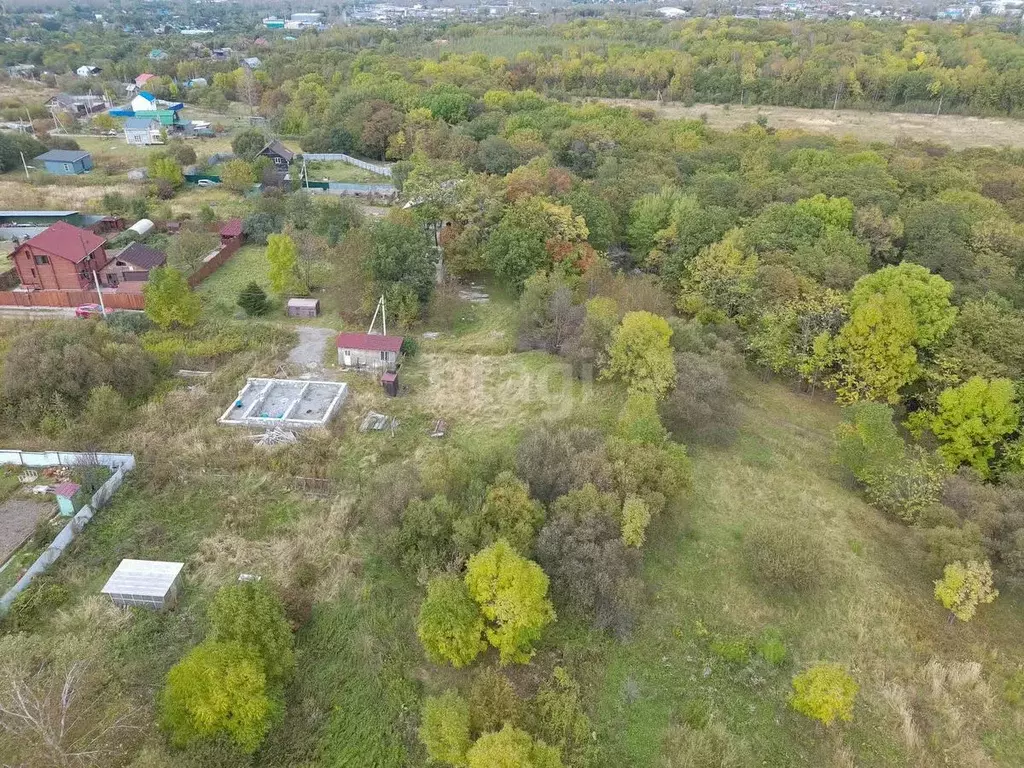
(285, 403)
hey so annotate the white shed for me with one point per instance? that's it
(142, 227)
(146, 583)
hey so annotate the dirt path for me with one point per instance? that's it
(955, 130)
(18, 518)
(309, 352)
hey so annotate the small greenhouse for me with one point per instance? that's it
(146, 583)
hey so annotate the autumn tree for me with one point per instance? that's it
(450, 626)
(169, 299)
(283, 257)
(927, 298)
(636, 516)
(237, 175)
(444, 728)
(249, 613)
(971, 420)
(640, 354)
(512, 594)
(720, 278)
(507, 513)
(511, 748)
(824, 692)
(964, 587)
(218, 688)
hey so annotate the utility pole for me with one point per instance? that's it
(25, 166)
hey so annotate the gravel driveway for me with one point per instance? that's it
(309, 352)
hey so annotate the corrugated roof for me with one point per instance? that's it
(231, 228)
(63, 155)
(55, 214)
(139, 123)
(66, 242)
(372, 341)
(144, 578)
(142, 256)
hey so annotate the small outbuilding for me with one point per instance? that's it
(370, 351)
(390, 383)
(65, 493)
(303, 307)
(153, 584)
(279, 155)
(66, 162)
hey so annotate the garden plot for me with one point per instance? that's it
(286, 403)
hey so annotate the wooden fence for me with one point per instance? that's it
(113, 300)
(214, 262)
(62, 298)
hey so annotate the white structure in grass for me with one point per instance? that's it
(118, 463)
(285, 403)
(146, 583)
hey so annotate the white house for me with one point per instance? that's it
(144, 101)
(142, 131)
(88, 70)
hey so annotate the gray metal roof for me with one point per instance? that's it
(148, 578)
(139, 123)
(63, 155)
(13, 214)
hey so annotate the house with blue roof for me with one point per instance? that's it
(65, 162)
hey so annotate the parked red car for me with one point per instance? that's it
(91, 310)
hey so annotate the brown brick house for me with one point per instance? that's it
(61, 257)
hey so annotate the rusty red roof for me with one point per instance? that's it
(372, 341)
(231, 228)
(66, 242)
(67, 490)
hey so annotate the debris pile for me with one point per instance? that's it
(378, 422)
(275, 436)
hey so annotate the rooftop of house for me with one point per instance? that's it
(67, 490)
(373, 341)
(63, 156)
(144, 77)
(277, 148)
(231, 228)
(139, 123)
(66, 242)
(142, 256)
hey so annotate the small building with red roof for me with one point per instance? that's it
(231, 232)
(142, 79)
(369, 351)
(62, 257)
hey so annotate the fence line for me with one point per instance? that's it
(120, 463)
(58, 297)
(380, 170)
(212, 264)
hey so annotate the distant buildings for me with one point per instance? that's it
(23, 71)
(142, 131)
(88, 70)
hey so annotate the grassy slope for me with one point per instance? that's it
(875, 615)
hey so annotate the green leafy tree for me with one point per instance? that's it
(636, 516)
(283, 257)
(237, 175)
(512, 594)
(875, 351)
(511, 748)
(218, 689)
(444, 728)
(166, 169)
(563, 722)
(641, 355)
(189, 247)
(450, 626)
(963, 588)
(971, 420)
(253, 300)
(248, 143)
(639, 421)
(824, 692)
(169, 299)
(401, 253)
(249, 613)
(507, 513)
(720, 278)
(927, 296)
